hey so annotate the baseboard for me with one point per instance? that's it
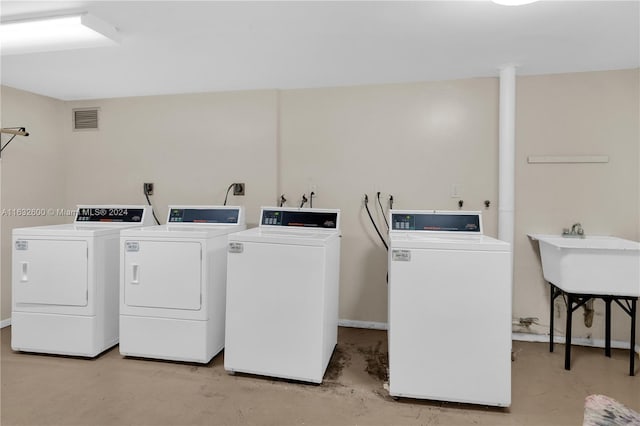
(579, 341)
(362, 324)
(523, 337)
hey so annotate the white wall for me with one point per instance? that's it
(192, 147)
(410, 140)
(575, 114)
(33, 175)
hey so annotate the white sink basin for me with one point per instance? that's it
(591, 265)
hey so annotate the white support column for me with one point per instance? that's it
(507, 148)
(2, 321)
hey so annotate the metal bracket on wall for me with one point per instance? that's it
(567, 159)
(14, 131)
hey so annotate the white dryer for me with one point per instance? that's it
(65, 282)
(449, 309)
(282, 294)
(173, 284)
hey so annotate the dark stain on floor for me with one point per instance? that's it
(339, 360)
(377, 360)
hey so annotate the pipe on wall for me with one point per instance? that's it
(507, 148)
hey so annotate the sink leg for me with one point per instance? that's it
(632, 349)
(567, 343)
(551, 298)
(607, 327)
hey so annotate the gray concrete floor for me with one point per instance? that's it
(112, 390)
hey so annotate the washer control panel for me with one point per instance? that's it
(121, 214)
(307, 218)
(216, 215)
(437, 221)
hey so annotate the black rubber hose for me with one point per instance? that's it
(384, 216)
(152, 212)
(227, 195)
(366, 206)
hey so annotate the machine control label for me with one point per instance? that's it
(22, 245)
(401, 255)
(132, 246)
(236, 247)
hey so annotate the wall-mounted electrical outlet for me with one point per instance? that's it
(456, 190)
(148, 188)
(238, 189)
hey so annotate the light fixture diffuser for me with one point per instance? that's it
(55, 33)
(513, 2)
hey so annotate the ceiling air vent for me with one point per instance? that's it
(85, 119)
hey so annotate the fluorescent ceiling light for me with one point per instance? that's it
(513, 2)
(55, 33)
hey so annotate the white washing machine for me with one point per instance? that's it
(449, 309)
(282, 294)
(173, 284)
(65, 282)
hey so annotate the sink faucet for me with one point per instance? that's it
(575, 231)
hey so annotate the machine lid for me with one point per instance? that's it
(206, 215)
(71, 230)
(113, 215)
(285, 235)
(446, 241)
(312, 220)
(177, 230)
(434, 221)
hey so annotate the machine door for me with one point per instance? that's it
(274, 310)
(50, 272)
(162, 274)
(450, 325)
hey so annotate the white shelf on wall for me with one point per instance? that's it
(567, 159)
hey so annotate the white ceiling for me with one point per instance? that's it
(201, 46)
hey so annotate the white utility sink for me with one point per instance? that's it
(591, 265)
